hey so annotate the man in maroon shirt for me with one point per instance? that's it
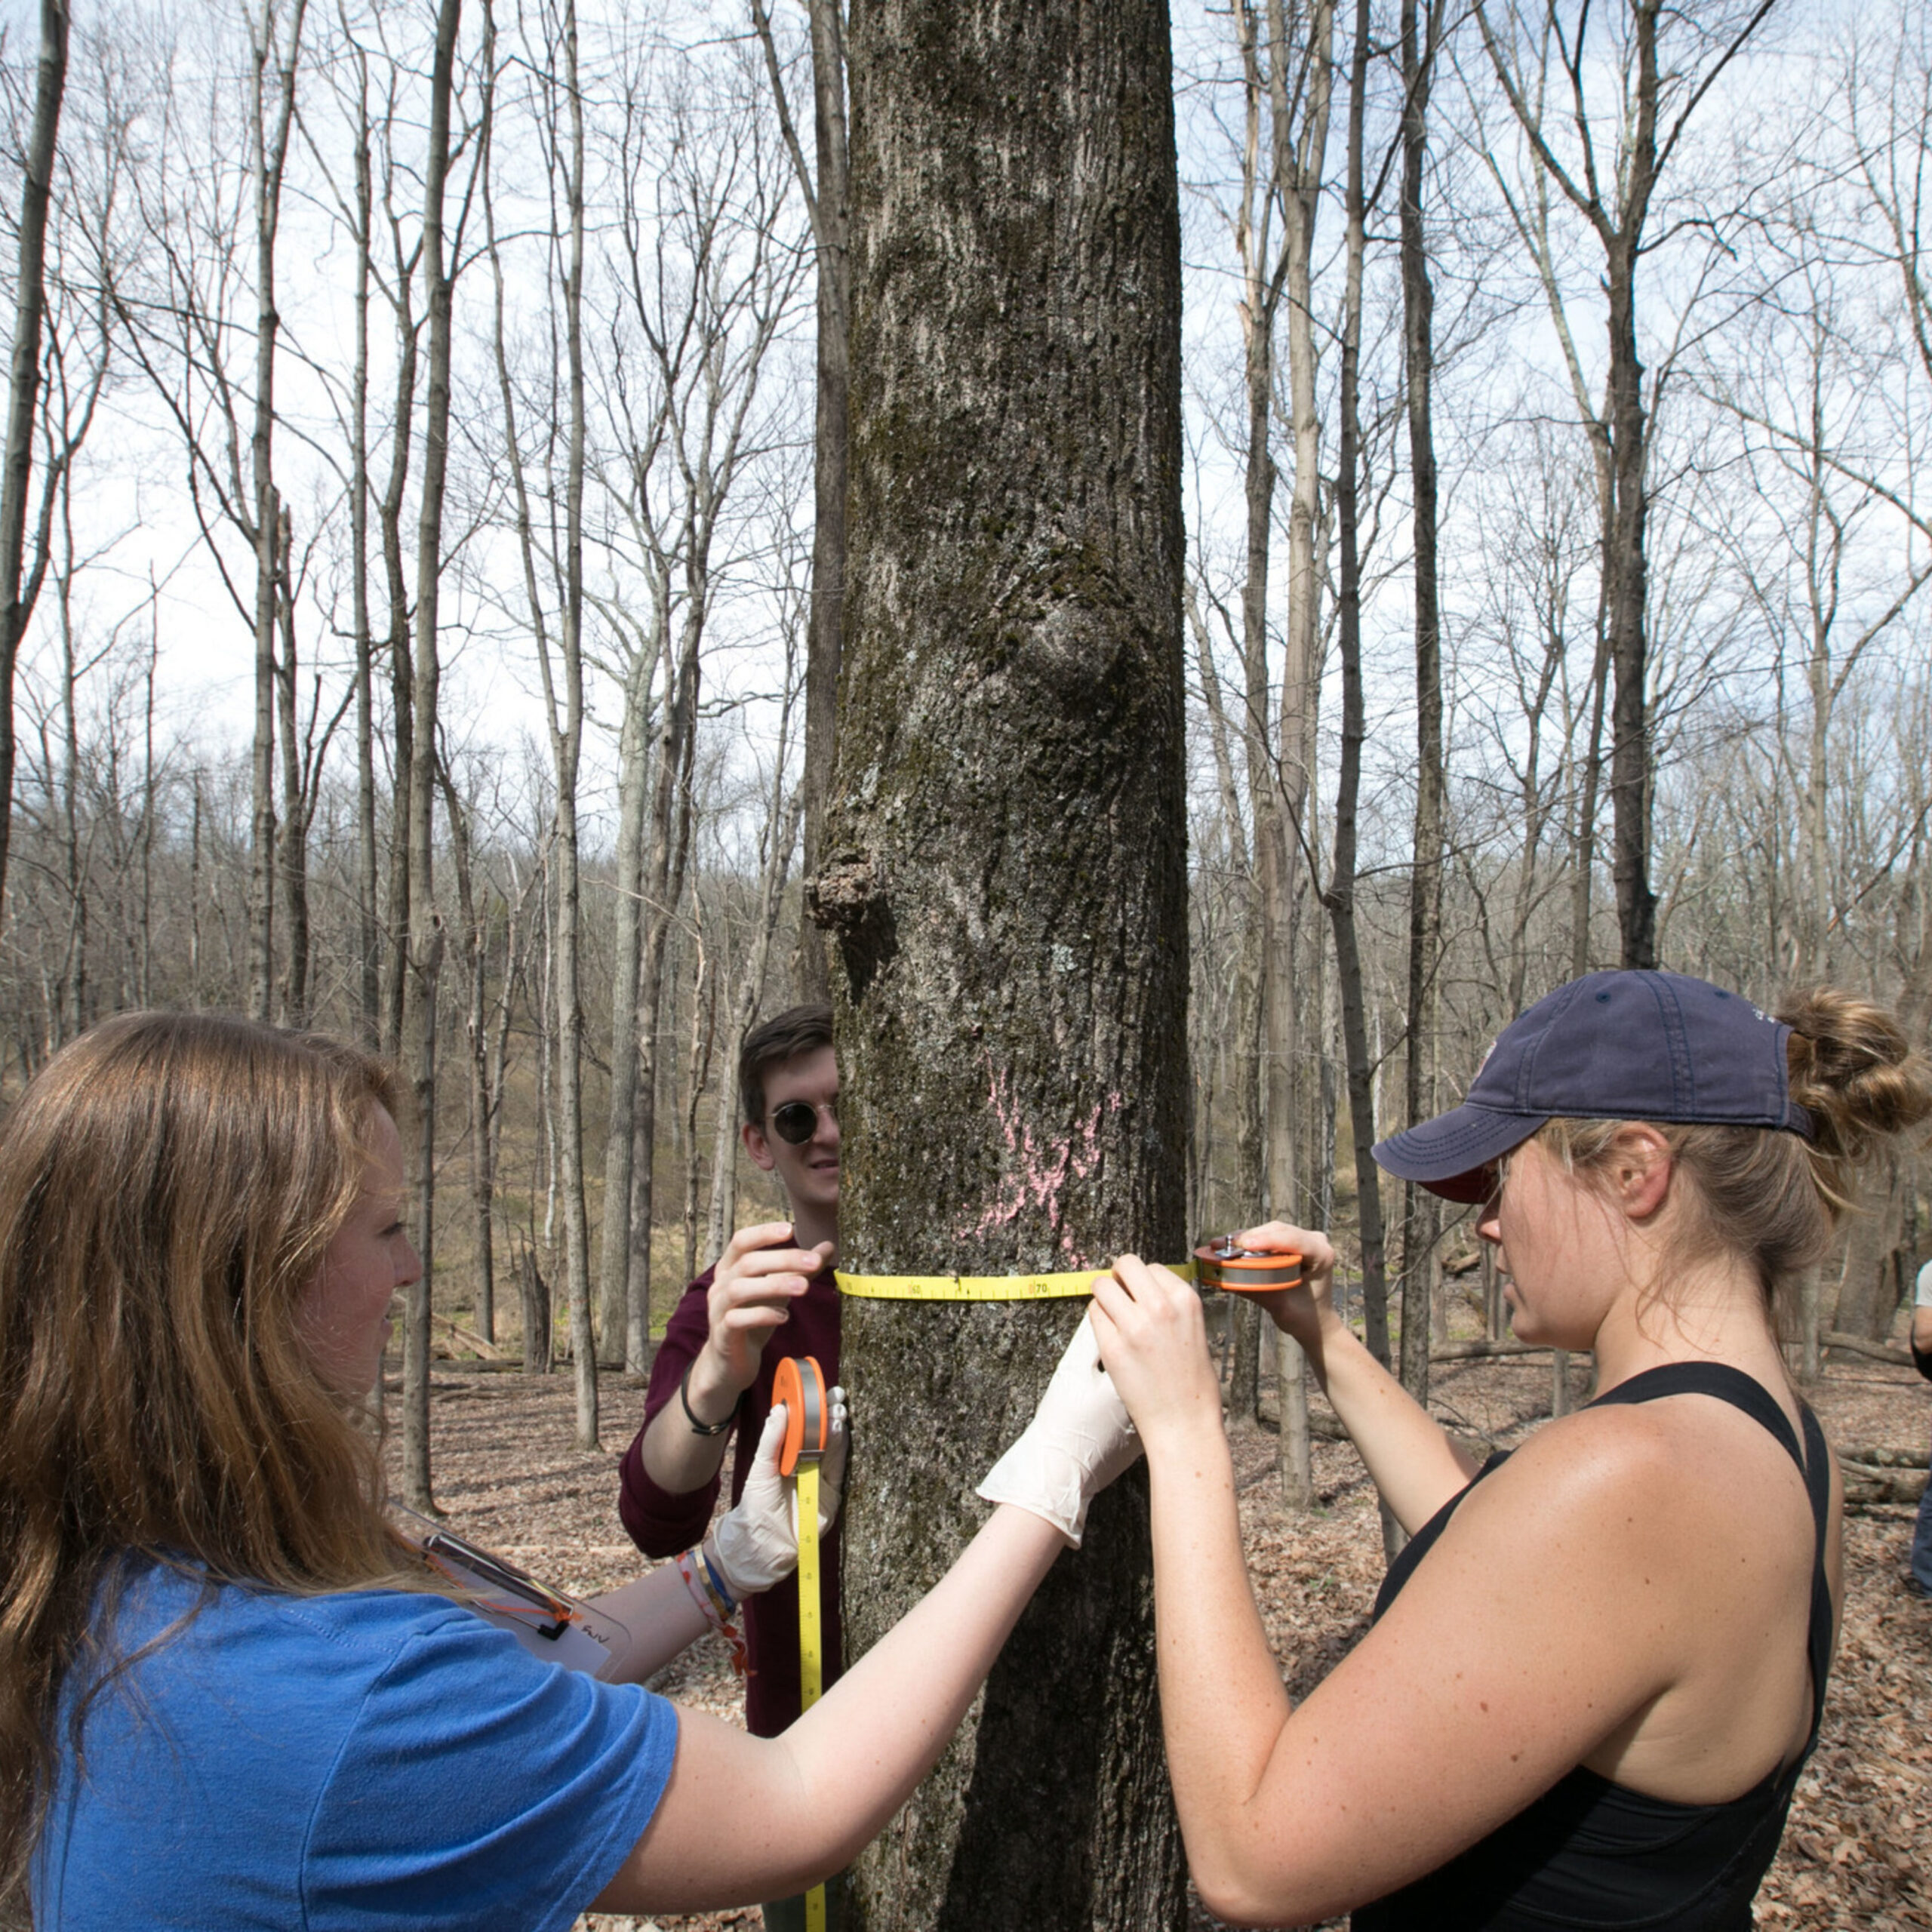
(770, 1294)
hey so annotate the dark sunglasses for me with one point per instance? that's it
(797, 1120)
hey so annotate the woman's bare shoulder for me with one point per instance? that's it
(1681, 1479)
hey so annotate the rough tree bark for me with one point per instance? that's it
(1005, 882)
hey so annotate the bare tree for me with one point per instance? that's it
(1615, 196)
(19, 586)
(827, 193)
(779, 831)
(561, 117)
(1420, 36)
(704, 281)
(425, 927)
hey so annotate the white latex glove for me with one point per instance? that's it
(1081, 1438)
(758, 1542)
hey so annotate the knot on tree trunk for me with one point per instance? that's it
(848, 899)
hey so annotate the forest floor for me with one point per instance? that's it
(1859, 1840)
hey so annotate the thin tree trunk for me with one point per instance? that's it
(70, 1010)
(1583, 842)
(1243, 1057)
(567, 742)
(535, 1293)
(368, 978)
(670, 845)
(476, 949)
(697, 1073)
(1299, 168)
(828, 197)
(1421, 1214)
(626, 947)
(1006, 888)
(271, 152)
(401, 663)
(16, 596)
(782, 834)
(292, 844)
(1340, 896)
(425, 930)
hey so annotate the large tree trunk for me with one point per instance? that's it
(1005, 882)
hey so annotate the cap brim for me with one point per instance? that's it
(1452, 1154)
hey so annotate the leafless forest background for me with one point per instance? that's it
(410, 555)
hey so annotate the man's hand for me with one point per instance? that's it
(759, 1277)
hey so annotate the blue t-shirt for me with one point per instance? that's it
(364, 1760)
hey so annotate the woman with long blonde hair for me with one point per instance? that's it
(230, 1693)
(1599, 1663)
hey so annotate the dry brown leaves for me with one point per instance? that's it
(509, 1476)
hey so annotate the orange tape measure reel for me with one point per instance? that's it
(799, 1384)
(1245, 1271)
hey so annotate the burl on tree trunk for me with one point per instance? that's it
(1004, 884)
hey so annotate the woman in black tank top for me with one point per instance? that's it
(1599, 1665)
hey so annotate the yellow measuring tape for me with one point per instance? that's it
(799, 1384)
(980, 1287)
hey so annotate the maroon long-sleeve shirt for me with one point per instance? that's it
(661, 1522)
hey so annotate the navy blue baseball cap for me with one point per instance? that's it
(1610, 1046)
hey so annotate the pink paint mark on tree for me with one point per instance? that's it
(1036, 1176)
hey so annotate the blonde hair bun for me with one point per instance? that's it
(1855, 1071)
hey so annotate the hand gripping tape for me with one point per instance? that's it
(1245, 1271)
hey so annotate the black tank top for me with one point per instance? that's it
(1591, 1854)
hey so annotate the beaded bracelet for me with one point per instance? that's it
(719, 1610)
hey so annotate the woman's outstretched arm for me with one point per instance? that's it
(746, 1817)
(1411, 1459)
(1512, 1654)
